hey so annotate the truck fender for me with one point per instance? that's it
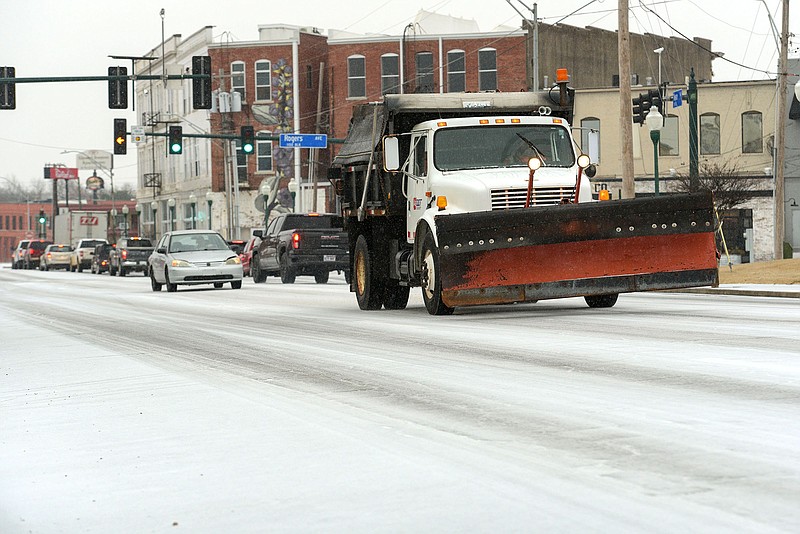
(424, 227)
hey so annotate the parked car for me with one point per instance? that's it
(30, 257)
(296, 244)
(237, 245)
(17, 254)
(55, 256)
(100, 258)
(130, 254)
(190, 257)
(81, 257)
(247, 253)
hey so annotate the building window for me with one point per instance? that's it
(752, 134)
(356, 77)
(241, 163)
(487, 69)
(237, 77)
(709, 133)
(390, 74)
(424, 65)
(456, 72)
(668, 145)
(264, 154)
(263, 80)
(590, 144)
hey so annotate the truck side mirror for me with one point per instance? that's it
(391, 153)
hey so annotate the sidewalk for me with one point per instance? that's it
(750, 290)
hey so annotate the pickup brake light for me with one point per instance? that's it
(295, 240)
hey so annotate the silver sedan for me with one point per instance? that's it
(191, 257)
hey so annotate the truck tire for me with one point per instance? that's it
(601, 301)
(259, 276)
(395, 296)
(431, 281)
(287, 273)
(369, 287)
(322, 277)
(156, 286)
(171, 288)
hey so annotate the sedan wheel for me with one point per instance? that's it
(156, 286)
(237, 284)
(171, 288)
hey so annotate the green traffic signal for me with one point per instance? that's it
(175, 140)
(247, 139)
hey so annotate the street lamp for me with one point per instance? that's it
(209, 201)
(114, 224)
(125, 211)
(193, 203)
(263, 190)
(293, 190)
(659, 51)
(171, 204)
(154, 207)
(655, 121)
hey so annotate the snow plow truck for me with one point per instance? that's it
(483, 198)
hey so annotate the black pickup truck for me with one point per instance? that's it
(296, 244)
(130, 254)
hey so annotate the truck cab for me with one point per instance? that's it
(464, 165)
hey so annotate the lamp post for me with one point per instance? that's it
(193, 204)
(154, 207)
(114, 225)
(171, 205)
(655, 121)
(293, 190)
(125, 211)
(138, 219)
(263, 190)
(209, 201)
(659, 51)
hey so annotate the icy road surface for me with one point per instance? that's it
(280, 408)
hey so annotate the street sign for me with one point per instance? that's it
(304, 141)
(89, 160)
(677, 99)
(137, 134)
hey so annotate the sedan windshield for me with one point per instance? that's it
(477, 147)
(194, 242)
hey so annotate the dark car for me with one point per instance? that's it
(33, 252)
(101, 258)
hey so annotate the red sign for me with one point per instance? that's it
(88, 220)
(61, 173)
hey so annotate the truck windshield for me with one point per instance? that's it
(478, 147)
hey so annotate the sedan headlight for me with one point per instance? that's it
(236, 260)
(180, 263)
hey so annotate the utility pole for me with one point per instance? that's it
(780, 135)
(625, 120)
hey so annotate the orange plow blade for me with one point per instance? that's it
(575, 250)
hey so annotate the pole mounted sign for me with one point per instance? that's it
(89, 160)
(61, 173)
(304, 140)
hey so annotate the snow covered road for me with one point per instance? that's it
(284, 408)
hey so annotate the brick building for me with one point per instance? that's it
(19, 221)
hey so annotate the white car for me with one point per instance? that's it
(191, 257)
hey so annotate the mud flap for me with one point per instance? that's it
(571, 250)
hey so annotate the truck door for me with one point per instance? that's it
(417, 201)
(270, 243)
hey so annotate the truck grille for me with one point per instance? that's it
(512, 198)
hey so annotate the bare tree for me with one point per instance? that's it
(730, 187)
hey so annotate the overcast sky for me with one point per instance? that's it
(45, 38)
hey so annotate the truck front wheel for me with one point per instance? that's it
(369, 288)
(431, 279)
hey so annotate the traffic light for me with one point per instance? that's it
(175, 140)
(118, 88)
(42, 217)
(120, 136)
(641, 105)
(8, 98)
(247, 140)
(201, 87)
(656, 100)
